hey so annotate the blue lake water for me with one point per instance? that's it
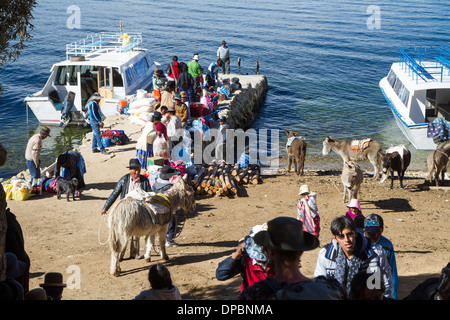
(322, 59)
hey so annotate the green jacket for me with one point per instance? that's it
(194, 68)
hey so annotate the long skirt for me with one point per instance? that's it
(142, 155)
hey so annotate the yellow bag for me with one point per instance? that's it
(17, 191)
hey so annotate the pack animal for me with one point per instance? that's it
(296, 152)
(351, 178)
(346, 149)
(132, 217)
(395, 159)
(68, 186)
(437, 162)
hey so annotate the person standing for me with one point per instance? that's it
(173, 70)
(33, 152)
(221, 137)
(350, 253)
(181, 110)
(307, 211)
(223, 53)
(159, 82)
(214, 72)
(144, 145)
(195, 70)
(129, 182)
(185, 82)
(373, 229)
(96, 122)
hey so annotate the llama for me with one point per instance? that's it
(137, 217)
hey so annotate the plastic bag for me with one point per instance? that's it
(160, 148)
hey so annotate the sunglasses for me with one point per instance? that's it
(342, 236)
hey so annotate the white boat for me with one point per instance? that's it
(112, 64)
(417, 90)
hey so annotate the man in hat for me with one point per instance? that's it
(96, 122)
(284, 243)
(181, 110)
(33, 152)
(185, 100)
(223, 54)
(350, 253)
(161, 185)
(221, 137)
(129, 182)
(53, 285)
(195, 70)
(373, 229)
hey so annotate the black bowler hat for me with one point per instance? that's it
(134, 163)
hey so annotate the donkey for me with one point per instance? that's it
(296, 151)
(437, 162)
(134, 217)
(348, 150)
(351, 178)
(397, 159)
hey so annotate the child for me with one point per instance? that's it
(373, 228)
(354, 209)
(161, 283)
(307, 211)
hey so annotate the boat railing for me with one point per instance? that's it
(119, 42)
(413, 58)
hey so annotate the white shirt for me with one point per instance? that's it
(173, 125)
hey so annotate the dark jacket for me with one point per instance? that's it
(121, 189)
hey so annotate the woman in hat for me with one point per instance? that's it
(144, 145)
(354, 209)
(284, 242)
(307, 211)
(159, 82)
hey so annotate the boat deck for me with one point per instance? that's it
(426, 65)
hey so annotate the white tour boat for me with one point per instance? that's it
(112, 64)
(417, 90)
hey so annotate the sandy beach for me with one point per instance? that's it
(71, 237)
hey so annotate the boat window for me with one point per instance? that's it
(141, 67)
(117, 78)
(73, 75)
(61, 76)
(104, 78)
(403, 94)
(130, 77)
(391, 78)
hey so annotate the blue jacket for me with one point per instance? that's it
(94, 112)
(388, 249)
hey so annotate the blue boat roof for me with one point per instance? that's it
(416, 59)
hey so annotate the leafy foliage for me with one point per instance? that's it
(15, 27)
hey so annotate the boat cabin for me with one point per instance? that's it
(113, 65)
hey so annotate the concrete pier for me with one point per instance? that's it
(242, 105)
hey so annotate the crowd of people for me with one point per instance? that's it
(358, 264)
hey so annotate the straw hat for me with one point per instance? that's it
(304, 189)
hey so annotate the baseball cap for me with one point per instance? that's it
(373, 223)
